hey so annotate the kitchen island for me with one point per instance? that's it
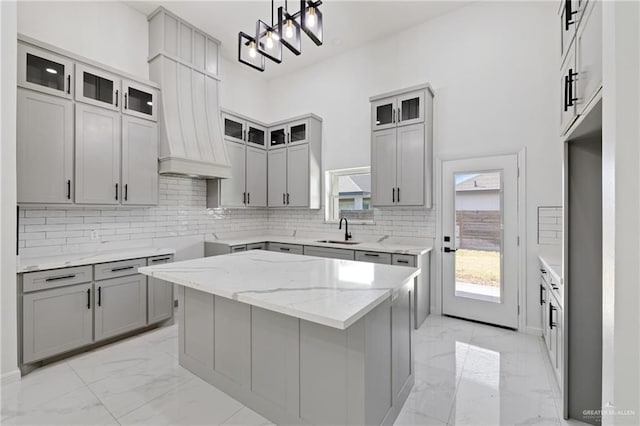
(301, 340)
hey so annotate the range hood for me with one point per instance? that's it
(184, 62)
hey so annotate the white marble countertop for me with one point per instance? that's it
(335, 293)
(551, 259)
(413, 246)
(41, 263)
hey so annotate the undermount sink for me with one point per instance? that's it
(337, 242)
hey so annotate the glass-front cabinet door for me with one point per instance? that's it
(298, 132)
(234, 128)
(45, 72)
(97, 88)
(139, 100)
(256, 135)
(384, 114)
(278, 137)
(410, 108)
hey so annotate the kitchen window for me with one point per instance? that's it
(349, 195)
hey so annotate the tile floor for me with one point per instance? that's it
(466, 373)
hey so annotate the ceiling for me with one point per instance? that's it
(347, 24)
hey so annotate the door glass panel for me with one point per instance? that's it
(232, 128)
(140, 101)
(410, 108)
(298, 132)
(45, 72)
(478, 258)
(278, 137)
(384, 114)
(256, 136)
(98, 88)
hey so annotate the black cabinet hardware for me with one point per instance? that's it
(393, 118)
(69, 189)
(393, 195)
(449, 250)
(566, 93)
(116, 192)
(570, 82)
(552, 323)
(126, 191)
(283, 198)
(541, 295)
(124, 268)
(399, 116)
(69, 84)
(117, 97)
(398, 194)
(568, 15)
(285, 249)
(287, 198)
(63, 277)
(88, 298)
(99, 296)
(125, 101)
(244, 198)
(248, 198)
(161, 259)
(372, 255)
(543, 271)
(406, 262)
(244, 135)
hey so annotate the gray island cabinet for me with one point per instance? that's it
(299, 339)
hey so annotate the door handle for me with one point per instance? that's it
(541, 295)
(287, 198)
(568, 15)
(449, 250)
(248, 198)
(69, 84)
(88, 298)
(116, 191)
(99, 296)
(393, 195)
(399, 116)
(570, 81)
(283, 198)
(69, 189)
(125, 101)
(117, 92)
(244, 198)
(398, 194)
(126, 191)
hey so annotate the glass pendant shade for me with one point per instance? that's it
(268, 41)
(248, 52)
(289, 30)
(311, 20)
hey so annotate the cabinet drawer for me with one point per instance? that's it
(42, 280)
(257, 246)
(373, 257)
(403, 260)
(286, 248)
(122, 268)
(236, 249)
(158, 260)
(329, 253)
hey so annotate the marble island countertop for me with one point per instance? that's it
(335, 293)
(41, 263)
(413, 246)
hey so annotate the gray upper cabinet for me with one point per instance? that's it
(233, 192)
(120, 305)
(568, 22)
(56, 321)
(139, 100)
(298, 176)
(97, 87)
(44, 71)
(278, 136)
(589, 55)
(384, 113)
(159, 294)
(277, 178)
(256, 177)
(139, 161)
(98, 137)
(402, 152)
(297, 132)
(568, 96)
(234, 128)
(44, 149)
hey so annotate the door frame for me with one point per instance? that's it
(437, 291)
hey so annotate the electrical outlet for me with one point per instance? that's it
(95, 235)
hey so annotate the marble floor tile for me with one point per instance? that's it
(247, 417)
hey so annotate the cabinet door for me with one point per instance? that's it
(256, 177)
(411, 108)
(56, 321)
(568, 23)
(44, 148)
(298, 176)
(589, 59)
(139, 100)
(234, 128)
(120, 305)
(96, 87)
(383, 167)
(159, 294)
(277, 177)
(298, 132)
(139, 161)
(256, 135)
(383, 114)
(45, 72)
(401, 336)
(410, 165)
(233, 190)
(98, 137)
(278, 136)
(568, 84)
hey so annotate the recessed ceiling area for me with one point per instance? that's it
(347, 24)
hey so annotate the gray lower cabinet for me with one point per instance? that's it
(373, 257)
(286, 248)
(120, 305)
(257, 246)
(327, 252)
(159, 294)
(56, 321)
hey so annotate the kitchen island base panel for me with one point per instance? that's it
(293, 371)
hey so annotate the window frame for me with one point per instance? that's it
(331, 195)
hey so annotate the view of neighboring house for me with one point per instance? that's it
(478, 199)
(354, 192)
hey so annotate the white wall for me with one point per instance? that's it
(493, 66)
(243, 90)
(8, 315)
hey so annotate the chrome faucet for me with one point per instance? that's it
(347, 234)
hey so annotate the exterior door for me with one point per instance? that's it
(120, 305)
(383, 167)
(410, 165)
(480, 250)
(256, 177)
(233, 189)
(277, 178)
(98, 136)
(139, 161)
(45, 148)
(298, 176)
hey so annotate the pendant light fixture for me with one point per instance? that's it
(269, 39)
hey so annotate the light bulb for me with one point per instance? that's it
(288, 32)
(252, 49)
(269, 40)
(51, 71)
(311, 17)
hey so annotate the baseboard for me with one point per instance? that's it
(10, 377)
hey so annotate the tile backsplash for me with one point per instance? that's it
(550, 225)
(182, 212)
